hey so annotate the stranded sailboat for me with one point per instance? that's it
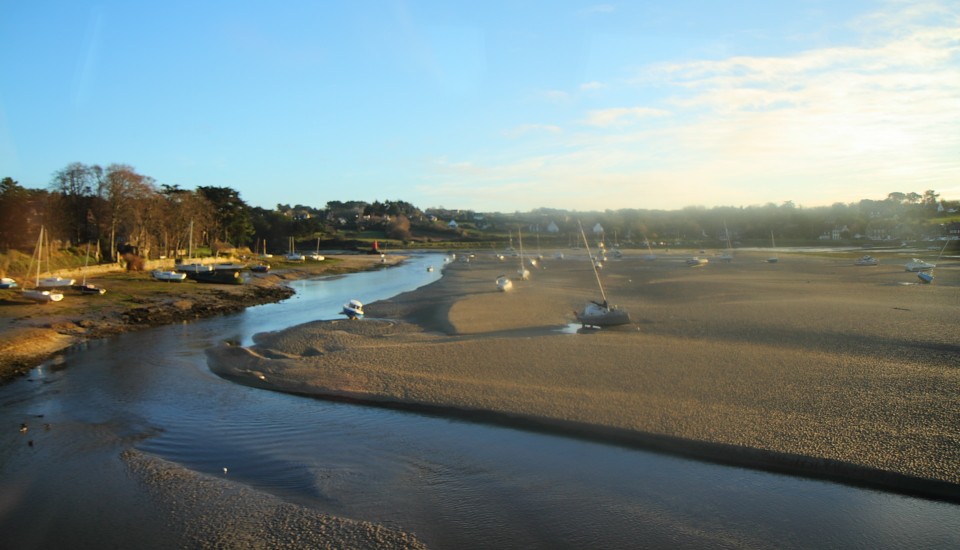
(600, 314)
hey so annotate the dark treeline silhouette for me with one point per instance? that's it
(117, 206)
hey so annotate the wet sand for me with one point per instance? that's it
(811, 365)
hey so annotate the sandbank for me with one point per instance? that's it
(811, 365)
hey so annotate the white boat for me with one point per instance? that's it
(727, 255)
(917, 264)
(697, 261)
(7, 282)
(504, 284)
(429, 269)
(168, 276)
(600, 314)
(37, 294)
(54, 282)
(866, 260)
(317, 256)
(353, 309)
(523, 272)
(293, 255)
(194, 267)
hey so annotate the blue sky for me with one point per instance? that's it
(491, 106)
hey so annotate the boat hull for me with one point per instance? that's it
(596, 315)
(219, 276)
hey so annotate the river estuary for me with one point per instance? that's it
(453, 483)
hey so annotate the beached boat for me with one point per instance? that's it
(697, 261)
(773, 259)
(194, 267)
(523, 272)
(317, 256)
(55, 282)
(218, 276)
(168, 276)
(260, 268)
(600, 314)
(353, 309)
(866, 260)
(84, 287)
(504, 284)
(925, 277)
(917, 264)
(7, 282)
(727, 255)
(38, 294)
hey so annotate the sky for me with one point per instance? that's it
(493, 106)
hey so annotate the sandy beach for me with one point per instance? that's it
(811, 365)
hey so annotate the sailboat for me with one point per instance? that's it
(728, 255)
(600, 314)
(504, 284)
(83, 287)
(194, 266)
(925, 274)
(773, 259)
(523, 272)
(293, 255)
(650, 256)
(316, 256)
(37, 294)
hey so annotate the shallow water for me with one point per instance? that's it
(455, 484)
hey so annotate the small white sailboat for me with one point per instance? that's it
(867, 260)
(293, 255)
(7, 282)
(600, 314)
(316, 256)
(917, 264)
(523, 272)
(38, 294)
(727, 256)
(504, 284)
(353, 309)
(649, 256)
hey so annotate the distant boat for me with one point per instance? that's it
(430, 269)
(168, 276)
(316, 256)
(293, 255)
(649, 256)
(523, 272)
(84, 287)
(727, 256)
(260, 268)
(925, 277)
(697, 261)
(7, 282)
(773, 259)
(917, 264)
(504, 284)
(866, 260)
(600, 314)
(353, 309)
(193, 268)
(218, 276)
(37, 294)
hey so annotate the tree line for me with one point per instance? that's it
(116, 207)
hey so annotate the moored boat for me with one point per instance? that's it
(866, 260)
(218, 276)
(925, 277)
(600, 314)
(504, 284)
(7, 282)
(917, 264)
(168, 276)
(353, 309)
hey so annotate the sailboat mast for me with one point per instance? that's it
(592, 263)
